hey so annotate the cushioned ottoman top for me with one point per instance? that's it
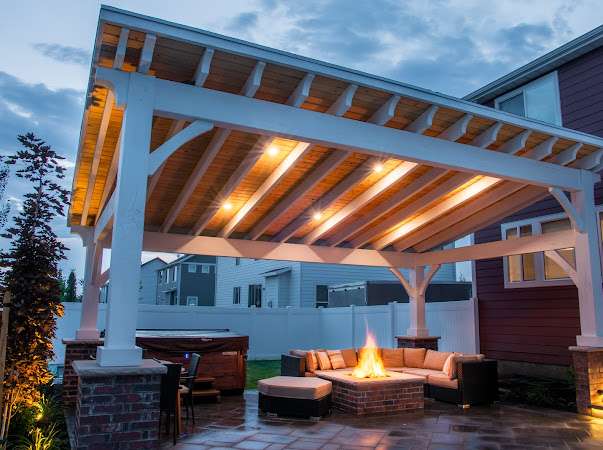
(305, 388)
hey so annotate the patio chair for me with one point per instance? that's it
(186, 388)
(168, 403)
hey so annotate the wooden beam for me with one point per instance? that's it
(508, 247)
(240, 248)
(306, 185)
(343, 102)
(122, 46)
(146, 55)
(542, 150)
(301, 92)
(359, 202)
(488, 136)
(98, 149)
(568, 155)
(424, 122)
(558, 259)
(169, 147)
(569, 208)
(590, 161)
(176, 127)
(385, 113)
(516, 143)
(203, 68)
(110, 180)
(213, 148)
(105, 220)
(410, 289)
(457, 130)
(472, 217)
(275, 176)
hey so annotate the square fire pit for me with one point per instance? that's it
(361, 396)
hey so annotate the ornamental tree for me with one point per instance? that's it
(32, 274)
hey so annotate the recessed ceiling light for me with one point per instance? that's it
(378, 167)
(227, 206)
(317, 215)
(272, 150)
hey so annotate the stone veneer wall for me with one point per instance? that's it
(75, 350)
(588, 368)
(428, 342)
(117, 407)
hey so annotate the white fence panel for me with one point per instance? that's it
(273, 331)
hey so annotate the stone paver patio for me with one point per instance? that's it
(235, 423)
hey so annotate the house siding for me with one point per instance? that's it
(537, 325)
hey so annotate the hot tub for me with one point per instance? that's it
(223, 353)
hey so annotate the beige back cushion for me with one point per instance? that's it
(393, 357)
(414, 357)
(324, 363)
(349, 357)
(311, 361)
(435, 360)
(449, 366)
(336, 359)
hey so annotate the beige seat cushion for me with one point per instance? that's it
(435, 360)
(350, 357)
(421, 372)
(414, 357)
(442, 380)
(393, 357)
(396, 369)
(324, 363)
(318, 373)
(305, 388)
(336, 358)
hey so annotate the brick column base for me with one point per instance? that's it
(75, 350)
(588, 368)
(428, 342)
(117, 407)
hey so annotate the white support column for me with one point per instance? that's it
(88, 319)
(588, 267)
(128, 226)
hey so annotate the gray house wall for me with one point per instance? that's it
(196, 284)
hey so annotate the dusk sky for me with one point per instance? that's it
(449, 46)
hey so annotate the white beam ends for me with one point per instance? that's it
(343, 102)
(386, 111)
(203, 67)
(568, 155)
(146, 56)
(122, 45)
(301, 92)
(455, 131)
(165, 150)
(488, 136)
(542, 150)
(254, 80)
(568, 207)
(590, 161)
(516, 143)
(424, 122)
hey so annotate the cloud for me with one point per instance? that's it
(63, 53)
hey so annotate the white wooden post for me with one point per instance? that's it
(128, 226)
(416, 300)
(588, 268)
(94, 253)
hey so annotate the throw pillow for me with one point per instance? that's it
(324, 363)
(336, 358)
(311, 361)
(350, 358)
(414, 357)
(393, 357)
(449, 366)
(435, 360)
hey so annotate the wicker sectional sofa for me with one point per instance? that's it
(450, 377)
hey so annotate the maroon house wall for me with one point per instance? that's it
(537, 325)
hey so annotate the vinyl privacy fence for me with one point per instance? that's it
(273, 331)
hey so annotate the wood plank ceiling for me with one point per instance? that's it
(314, 195)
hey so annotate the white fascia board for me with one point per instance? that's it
(272, 119)
(250, 50)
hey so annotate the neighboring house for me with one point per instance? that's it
(273, 284)
(189, 281)
(147, 293)
(528, 307)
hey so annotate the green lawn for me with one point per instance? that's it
(256, 370)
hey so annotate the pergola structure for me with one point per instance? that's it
(198, 143)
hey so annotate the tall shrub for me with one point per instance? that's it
(32, 274)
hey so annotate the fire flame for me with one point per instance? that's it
(370, 364)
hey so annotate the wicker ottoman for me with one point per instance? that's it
(295, 396)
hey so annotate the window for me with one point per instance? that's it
(322, 296)
(192, 268)
(255, 296)
(537, 100)
(192, 300)
(205, 268)
(236, 295)
(536, 269)
(237, 261)
(174, 273)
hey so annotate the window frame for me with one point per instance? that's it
(189, 297)
(192, 268)
(540, 280)
(236, 295)
(522, 89)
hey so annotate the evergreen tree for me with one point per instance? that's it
(70, 288)
(32, 275)
(4, 206)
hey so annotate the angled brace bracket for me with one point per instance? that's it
(562, 262)
(566, 204)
